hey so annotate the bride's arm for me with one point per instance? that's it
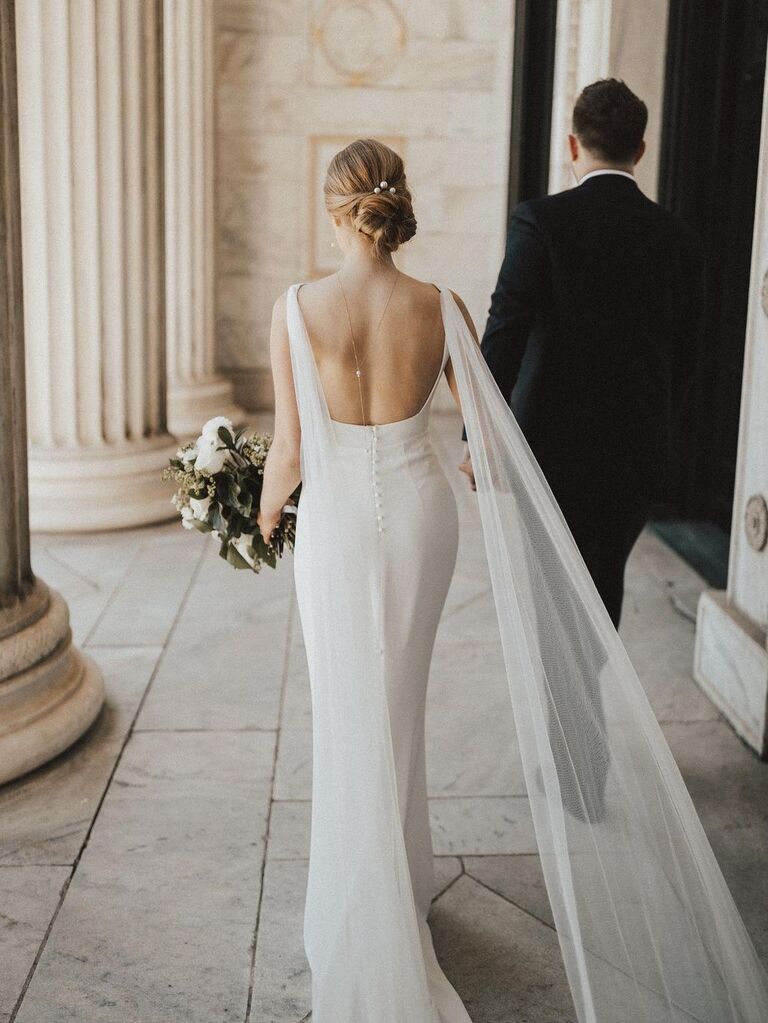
(281, 470)
(466, 465)
(450, 375)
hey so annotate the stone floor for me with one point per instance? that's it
(155, 872)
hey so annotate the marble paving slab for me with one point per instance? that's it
(289, 829)
(281, 977)
(45, 816)
(297, 700)
(475, 825)
(504, 964)
(158, 919)
(461, 826)
(145, 604)
(29, 897)
(517, 878)
(472, 745)
(223, 666)
(661, 593)
(293, 772)
(85, 571)
(728, 785)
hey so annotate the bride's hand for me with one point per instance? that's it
(267, 523)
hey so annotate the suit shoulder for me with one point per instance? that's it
(541, 209)
(677, 230)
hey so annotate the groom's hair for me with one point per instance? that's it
(609, 120)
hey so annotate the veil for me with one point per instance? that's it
(648, 929)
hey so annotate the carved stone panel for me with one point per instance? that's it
(361, 40)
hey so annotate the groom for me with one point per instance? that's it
(592, 333)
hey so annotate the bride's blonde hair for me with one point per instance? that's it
(353, 174)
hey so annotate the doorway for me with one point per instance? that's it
(533, 72)
(715, 69)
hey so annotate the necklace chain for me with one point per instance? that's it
(358, 371)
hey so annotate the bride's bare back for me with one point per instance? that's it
(399, 362)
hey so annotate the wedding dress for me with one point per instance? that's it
(648, 930)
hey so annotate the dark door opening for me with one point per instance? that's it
(715, 71)
(533, 70)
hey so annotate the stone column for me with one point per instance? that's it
(195, 391)
(600, 38)
(582, 54)
(91, 127)
(49, 691)
(731, 661)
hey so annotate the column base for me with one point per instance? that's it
(50, 692)
(106, 488)
(192, 404)
(731, 666)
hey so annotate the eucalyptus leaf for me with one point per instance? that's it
(235, 558)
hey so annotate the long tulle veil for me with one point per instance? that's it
(648, 929)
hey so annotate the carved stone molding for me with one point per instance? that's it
(764, 293)
(360, 39)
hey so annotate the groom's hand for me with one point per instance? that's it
(466, 467)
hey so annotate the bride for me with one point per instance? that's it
(647, 928)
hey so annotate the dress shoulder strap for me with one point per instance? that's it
(306, 380)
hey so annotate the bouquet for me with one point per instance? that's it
(219, 479)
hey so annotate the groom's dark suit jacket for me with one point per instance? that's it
(592, 333)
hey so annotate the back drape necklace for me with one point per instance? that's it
(358, 371)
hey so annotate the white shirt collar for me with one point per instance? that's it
(594, 173)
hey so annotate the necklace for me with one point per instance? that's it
(358, 371)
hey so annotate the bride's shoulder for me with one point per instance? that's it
(280, 305)
(429, 288)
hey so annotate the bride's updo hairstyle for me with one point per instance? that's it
(385, 217)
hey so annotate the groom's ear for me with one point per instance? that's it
(573, 146)
(640, 152)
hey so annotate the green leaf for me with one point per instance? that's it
(235, 558)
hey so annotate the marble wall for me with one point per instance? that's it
(296, 81)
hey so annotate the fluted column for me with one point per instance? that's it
(731, 662)
(195, 390)
(91, 126)
(49, 691)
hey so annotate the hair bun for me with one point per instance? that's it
(354, 174)
(386, 217)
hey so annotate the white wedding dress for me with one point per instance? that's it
(398, 529)
(647, 928)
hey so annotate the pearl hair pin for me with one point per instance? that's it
(382, 185)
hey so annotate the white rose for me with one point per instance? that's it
(211, 428)
(199, 506)
(242, 543)
(211, 456)
(187, 454)
(186, 517)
